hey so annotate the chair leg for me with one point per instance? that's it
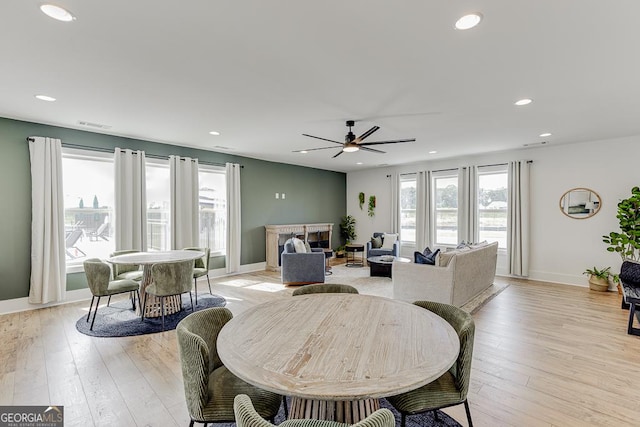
(435, 415)
(195, 288)
(144, 306)
(132, 297)
(109, 301)
(209, 282)
(162, 309)
(191, 297)
(466, 408)
(286, 409)
(191, 423)
(403, 420)
(632, 313)
(94, 314)
(91, 305)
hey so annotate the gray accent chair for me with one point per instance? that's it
(452, 387)
(246, 416)
(126, 271)
(200, 268)
(371, 251)
(98, 274)
(328, 288)
(302, 268)
(209, 387)
(169, 279)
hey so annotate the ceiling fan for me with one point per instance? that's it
(351, 143)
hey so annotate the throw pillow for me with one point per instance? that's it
(299, 246)
(430, 259)
(376, 242)
(426, 251)
(288, 247)
(388, 240)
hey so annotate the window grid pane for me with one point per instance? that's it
(213, 210)
(446, 210)
(408, 203)
(493, 208)
(158, 207)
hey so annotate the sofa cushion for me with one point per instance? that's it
(420, 258)
(389, 240)
(376, 242)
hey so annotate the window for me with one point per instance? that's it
(445, 188)
(408, 204)
(158, 206)
(213, 208)
(88, 205)
(492, 204)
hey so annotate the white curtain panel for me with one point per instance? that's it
(518, 218)
(467, 204)
(48, 281)
(130, 200)
(423, 210)
(395, 202)
(185, 216)
(233, 217)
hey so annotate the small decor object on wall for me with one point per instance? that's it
(361, 199)
(372, 205)
(580, 203)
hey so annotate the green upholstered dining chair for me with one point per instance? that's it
(209, 387)
(201, 268)
(325, 288)
(169, 279)
(246, 416)
(126, 271)
(451, 388)
(98, 277)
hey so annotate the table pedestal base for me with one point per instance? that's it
(342, 411)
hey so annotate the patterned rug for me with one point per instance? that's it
(119, 320)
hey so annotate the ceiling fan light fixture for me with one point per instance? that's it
(57, 12)
(303, 152)
(350, 148)
(524, 101)
(468, 21)
(45, 98)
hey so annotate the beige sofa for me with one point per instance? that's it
(458, 276)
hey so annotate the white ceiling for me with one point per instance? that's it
(264, 72)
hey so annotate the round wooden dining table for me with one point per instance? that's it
(147, 259)
(337, 354)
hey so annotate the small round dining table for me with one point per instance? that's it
(148, 259)
(337, 354)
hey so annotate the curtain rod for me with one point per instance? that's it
(455, 169)
(151, 156)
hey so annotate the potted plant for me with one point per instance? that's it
(598, 279)
(627, 241)
(348, 229)
(339, 251)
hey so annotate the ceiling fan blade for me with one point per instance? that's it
(339, 152)
(388, 142)
(373, 150)
(366, 134)
(324, 139)
(312, 149)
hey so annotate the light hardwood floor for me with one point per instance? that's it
(545, 355)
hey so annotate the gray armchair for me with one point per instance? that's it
(302, 268)
(371, 251)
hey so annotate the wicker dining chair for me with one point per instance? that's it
(246, 416)
(451, 388)
(325, 288)
(209, 387)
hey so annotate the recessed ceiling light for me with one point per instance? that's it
(57, 12)
(521, 102)
(303, 152)
(358, 163)
(468, 21)
(45, 98)
(213, 132)
(432, 152)
(543, 135)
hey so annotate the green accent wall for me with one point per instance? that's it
(312, 195)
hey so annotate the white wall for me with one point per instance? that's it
(561, 247)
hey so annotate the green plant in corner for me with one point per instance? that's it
(598, 279)
(372, 205)
(348, 229)
(361, 199)
(627, 242)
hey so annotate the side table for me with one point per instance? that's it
(328, 254)
(351, 250)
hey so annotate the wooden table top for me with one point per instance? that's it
(338, 346)
(155, 257)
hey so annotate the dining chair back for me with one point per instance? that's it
(98, 278)
(169, 279)
(325, 288)
(209, 387)
(200, 268)
(126, 271)
(452, 387)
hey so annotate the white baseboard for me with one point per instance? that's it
(23, 304)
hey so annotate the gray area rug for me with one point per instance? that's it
(119, 320)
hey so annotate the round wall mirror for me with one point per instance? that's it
(580, 203)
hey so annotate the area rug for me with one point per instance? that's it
(118, 320)
(420, 420)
